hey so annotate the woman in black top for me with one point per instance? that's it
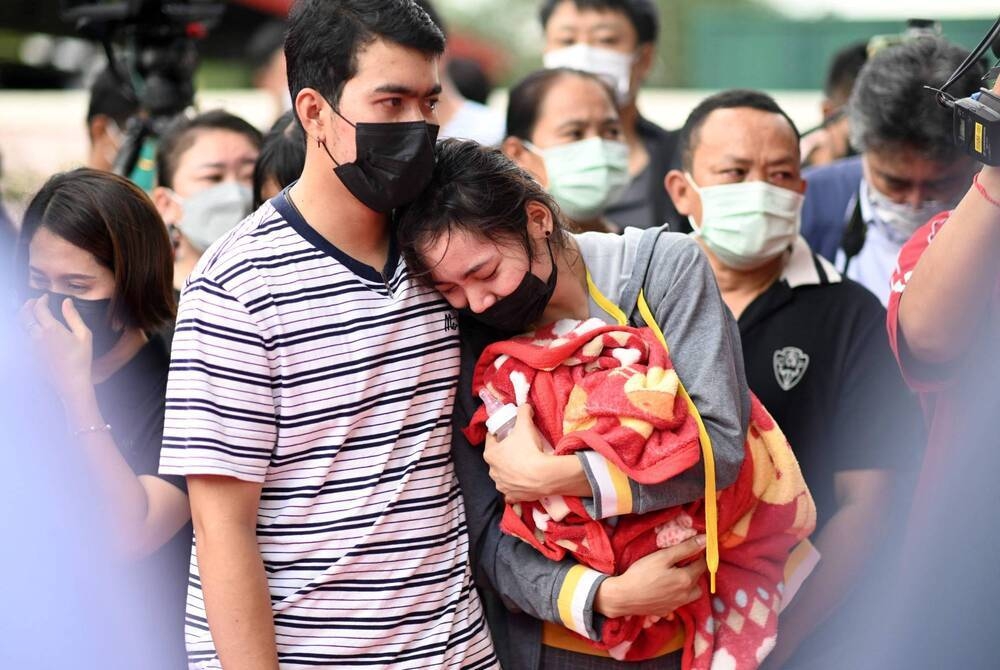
(95, 263)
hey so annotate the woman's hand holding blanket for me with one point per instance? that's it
(654, 585)
(523, 468)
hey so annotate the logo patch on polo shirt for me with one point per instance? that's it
(790, 365)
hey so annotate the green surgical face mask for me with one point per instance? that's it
(585, 177)
(748, 223)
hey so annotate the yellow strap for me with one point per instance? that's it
(708, 456)
(611, 308)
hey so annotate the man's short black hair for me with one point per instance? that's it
(642, 14)
(325, 36)
(265, 42)
(108, 97)
(845, 66)
(470, 79)
(731, 99)
(891, 109)
(428, 7)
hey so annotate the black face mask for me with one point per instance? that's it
(521, 309)
(94, 314)
(394, 162)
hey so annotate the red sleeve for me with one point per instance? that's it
(919, 376)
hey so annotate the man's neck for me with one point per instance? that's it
(185, 259)
(739, 288)
(638, 158)
(332, 211)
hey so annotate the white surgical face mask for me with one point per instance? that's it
(901, 219)
(749, 223)
(613, 66)
(210, 214)
(586, 176)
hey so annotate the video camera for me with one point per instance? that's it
(976, 125)
(155, 62)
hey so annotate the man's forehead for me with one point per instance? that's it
(568, 16)
(741, 129)
(395, 64)
(909, 163)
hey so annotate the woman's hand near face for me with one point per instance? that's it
(654, 585)
(65, 353)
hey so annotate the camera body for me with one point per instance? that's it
(155, 64)
(977, 126)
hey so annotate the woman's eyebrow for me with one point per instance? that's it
(474, 269)
(34, 269)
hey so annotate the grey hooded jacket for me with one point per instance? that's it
(520, 586)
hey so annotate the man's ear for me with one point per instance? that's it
(309, 106)
(97, 127)
(514, 149)
(645, 58)
(827, 107)
(166, 204)
(679, 189)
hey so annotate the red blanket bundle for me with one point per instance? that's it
(613, 389)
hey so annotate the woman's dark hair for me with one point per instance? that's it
(526, 97)
(477, 190)
(111, 218)
(182, 133)
(282, 155)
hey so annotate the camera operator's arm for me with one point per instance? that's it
(952, 284)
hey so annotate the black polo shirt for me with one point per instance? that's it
(817, 356)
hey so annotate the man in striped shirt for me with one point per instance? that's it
(312, 383)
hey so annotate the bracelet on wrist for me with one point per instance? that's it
(982, 191)
(97, 428)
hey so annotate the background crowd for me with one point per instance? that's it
(215, 345)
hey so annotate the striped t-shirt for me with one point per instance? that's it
(331, 384)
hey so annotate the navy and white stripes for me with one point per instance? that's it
(332, 386)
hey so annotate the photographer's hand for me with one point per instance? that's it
(66, 354)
